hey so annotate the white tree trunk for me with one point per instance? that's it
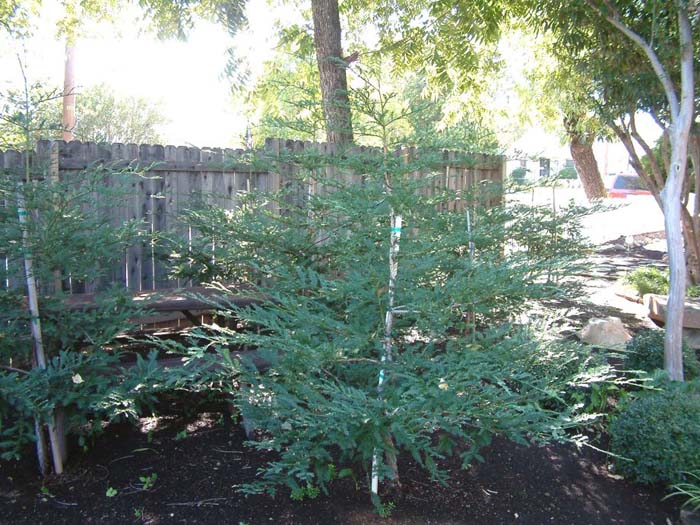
(671, 196)
(682, 113)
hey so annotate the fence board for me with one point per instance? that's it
(159, 182)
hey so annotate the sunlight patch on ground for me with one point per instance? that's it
(148, 424)
(206, 420)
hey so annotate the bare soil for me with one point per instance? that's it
(197, 477)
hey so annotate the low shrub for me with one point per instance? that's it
(658, 435)
(568, 173)
(649, 279)
(645, 351)
(519, 175)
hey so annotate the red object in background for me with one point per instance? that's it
(626, 184)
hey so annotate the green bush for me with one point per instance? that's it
(68, 237)
(659, 435)
(456, 367)
(518, 175)
(649, 279)
(568, 173)
(645, 351)
(453, 369)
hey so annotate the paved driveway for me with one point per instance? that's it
(631, 216)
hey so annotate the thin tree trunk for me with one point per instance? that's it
(671, 195)
(68, 122)
(694, 154)
(682, 112)
(39, 354)
(331, 68)
(581, 147)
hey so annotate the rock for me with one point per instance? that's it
(606, 333)
(692, 337)
(689, 517)
(656, 304)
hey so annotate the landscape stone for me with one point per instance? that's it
(692, 338)
(656, 304)
(608, 332)
(689, 517)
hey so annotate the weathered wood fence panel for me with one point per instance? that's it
(163, 181)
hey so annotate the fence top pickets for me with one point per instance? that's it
(176, 174)
(154, 157)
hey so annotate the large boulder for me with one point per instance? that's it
(656, 304)
(606, 333)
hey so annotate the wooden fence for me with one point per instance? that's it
(174, 176)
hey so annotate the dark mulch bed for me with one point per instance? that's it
(197, 477)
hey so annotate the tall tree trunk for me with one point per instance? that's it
(581, 147)
(692, 232)
(331, 68)
(671, 195)
(682, 114)
(68, 123)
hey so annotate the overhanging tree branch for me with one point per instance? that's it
(615, 19)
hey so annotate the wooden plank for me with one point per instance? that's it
(149, 189)
(186, 173)
(171, 209)
(118, 187)
(158, 217)
(173, 300)
(160, 226)
(11, 269)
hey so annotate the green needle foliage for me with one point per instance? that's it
(316, 255)
(71, 242)
(461, 372)
(304, 362)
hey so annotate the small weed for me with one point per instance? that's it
(111, 492)
(46, 492)
(181, 435)
(386, 509)
(138, 513)
(300, 493)
(147, 482)
(689, 490)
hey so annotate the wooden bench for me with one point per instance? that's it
(170, 305)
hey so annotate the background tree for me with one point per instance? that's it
(562, 98)
(104, 117)
(680, 97)
(331, 68)
(167, 18)
(285, 101)
(13, 16)
(648, 65)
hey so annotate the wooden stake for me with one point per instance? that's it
(387, 355)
